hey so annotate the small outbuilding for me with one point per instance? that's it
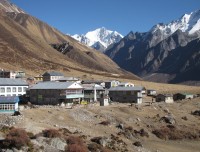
(126, 84)
(111, 83)
(181, 96)
(93, 92)
(151, 92)
(126, 94)
(168, 98)
(52, 76)
(9, 104)
(53, 93)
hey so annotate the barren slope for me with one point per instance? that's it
(80, 53)
(85, 121)
(25, 45)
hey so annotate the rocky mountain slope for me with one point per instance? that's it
(25, 44)
(166, 53)
(99, 39)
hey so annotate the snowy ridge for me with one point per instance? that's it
(187, 23)
(100, 36)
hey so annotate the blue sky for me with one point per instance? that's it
(81, 16)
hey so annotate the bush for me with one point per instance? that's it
(16, 138)
(93, 147)
(51, 133)
(141, 132)
(130, 128)
(5, 129)
(75, 144)
(65, 131)
(74, 140)
(76, 148)
(172, 133)
(31, 135)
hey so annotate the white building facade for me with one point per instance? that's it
(12, 87)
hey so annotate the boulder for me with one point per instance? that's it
(168, 119)
(101, 140)
(58, 143)
(137, 143)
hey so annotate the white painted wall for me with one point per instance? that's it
(20, 90)
(169, 100)
(75, 86)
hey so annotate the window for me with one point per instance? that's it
(19, 89)
(14, 89)
(2, 90)
(8, 89)
(24, 89)
(128, 93)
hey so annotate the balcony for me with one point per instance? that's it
(71, 95)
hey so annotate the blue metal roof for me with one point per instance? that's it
(10, 99)
(136, 88)
(52, 85)
(53, 73)
(12, 82)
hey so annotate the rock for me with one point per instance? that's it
(138, 119)
(120, 126)
(168, 119)
(137, 143)
(8, 150)
(16, 150)
(58, 143)
(184, 118)
(166, 110)
(101, 140)
(197, 113)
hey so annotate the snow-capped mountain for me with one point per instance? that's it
(166, 53)
(99, 39)
(187, 23)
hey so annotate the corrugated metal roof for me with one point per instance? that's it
(68, 79)
(53, 73)
(136, 88)
(91, 87)
(12, 82)
(11, 99)
(52, 85)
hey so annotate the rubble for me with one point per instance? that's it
(9, 120)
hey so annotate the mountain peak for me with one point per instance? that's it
(100, 36)
(187, 23)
